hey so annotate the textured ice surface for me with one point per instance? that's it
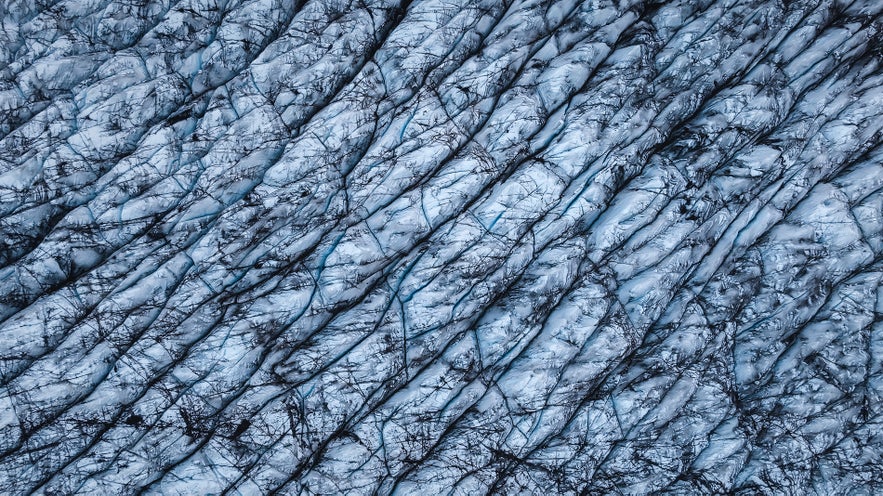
(441, 247)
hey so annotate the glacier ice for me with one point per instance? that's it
(441, 247)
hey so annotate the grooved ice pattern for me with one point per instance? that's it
(441, 247)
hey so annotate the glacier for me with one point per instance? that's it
(441, 247)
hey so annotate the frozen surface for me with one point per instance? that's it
(441, 247)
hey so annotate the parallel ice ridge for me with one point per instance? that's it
(444, 246)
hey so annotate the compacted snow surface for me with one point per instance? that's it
(441, 247)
